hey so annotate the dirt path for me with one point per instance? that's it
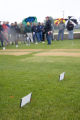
(15, 53)
(42, 52)
(37, 50)
(58, 54)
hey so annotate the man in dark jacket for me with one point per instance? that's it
(17, 31)
(34, 31)
(48, 30)
(70, 28)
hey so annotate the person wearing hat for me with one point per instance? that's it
(48, 30)
(28, 31)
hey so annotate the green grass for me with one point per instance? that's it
(66, 44)
(51, 99)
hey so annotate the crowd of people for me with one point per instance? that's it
(32, 33)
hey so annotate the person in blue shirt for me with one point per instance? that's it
(39, 32)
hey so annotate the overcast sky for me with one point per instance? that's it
(17, 10)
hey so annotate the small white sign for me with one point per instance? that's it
(16, 46)
(25, 100)
(4, 48)
(36, 43)
(62, 76)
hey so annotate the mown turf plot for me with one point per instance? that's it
(51, 98)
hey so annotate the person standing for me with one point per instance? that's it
(28, 31)
(70, 28)
(5, 33)
(12, 33)
(61, 28)
(17, 31)
(39, 32)
(8, 30)
(22, 27)
(43, 33)
(1, 35)
(34, 31)
(48, 30)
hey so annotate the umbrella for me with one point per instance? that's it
(57, 21)
(71, 19)
(30, 20)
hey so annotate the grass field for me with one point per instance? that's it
(66, 44)
(51, 99)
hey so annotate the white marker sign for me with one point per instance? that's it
(16, 46)
(62, 76)
(25, 100)
(4, 48)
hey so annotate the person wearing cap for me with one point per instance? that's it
(48, 30)
(28, 31)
